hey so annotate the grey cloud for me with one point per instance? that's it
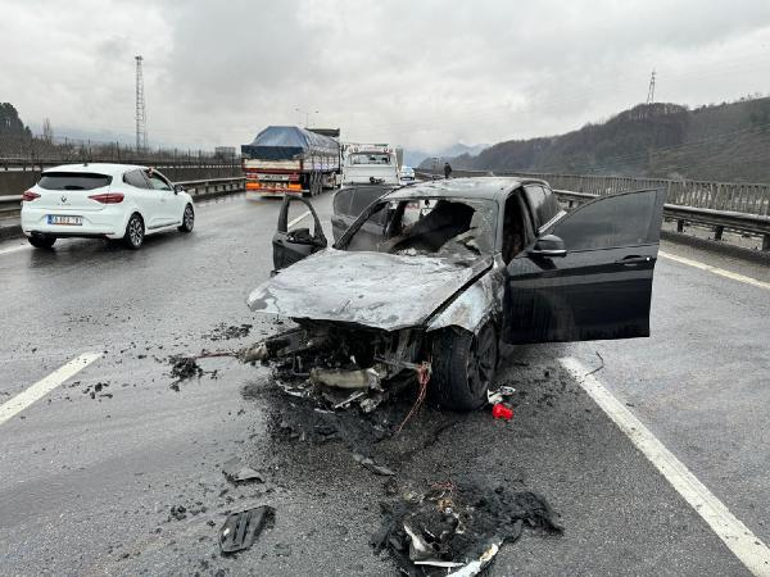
(423, 73)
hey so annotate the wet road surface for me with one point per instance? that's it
(89, 473)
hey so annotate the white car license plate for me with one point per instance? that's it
(68, 220)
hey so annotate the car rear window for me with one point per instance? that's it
(73, 181)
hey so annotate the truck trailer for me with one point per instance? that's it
(291, 160)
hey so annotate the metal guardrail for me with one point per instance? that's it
(10, 206)
(744, 208)
(213, 186)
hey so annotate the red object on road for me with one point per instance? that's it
(501, 411)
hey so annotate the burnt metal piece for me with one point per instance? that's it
(241, 529)
(237, 471)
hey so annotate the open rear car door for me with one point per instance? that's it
(290, 244)
(589, 276)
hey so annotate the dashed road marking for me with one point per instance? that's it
(299, 219)
(715, 270)
(40, 389)
(752, 552)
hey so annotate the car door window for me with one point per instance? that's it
(516, 229)
(158, 182)
(620, 220)
(542, 203)
(136, 179)
(342, 201)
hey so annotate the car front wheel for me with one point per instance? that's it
(41, 241)
(188, 219)
(134, 236)
(463, 367)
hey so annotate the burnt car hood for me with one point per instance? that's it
(373, 289)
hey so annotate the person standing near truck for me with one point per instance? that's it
(447, 170)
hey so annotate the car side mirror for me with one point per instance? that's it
(178, 188)
(549, 245)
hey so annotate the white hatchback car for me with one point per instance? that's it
(113, 201)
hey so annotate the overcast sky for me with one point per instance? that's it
(419, 73)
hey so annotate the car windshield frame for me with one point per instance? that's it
(487, 208)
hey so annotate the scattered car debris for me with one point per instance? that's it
(502, 411)
(223, 332)
(282, 550)
(458, 527)
(185, 368)
(500, 395)
(241, 529)
(597, 369)
(237, 472)
(178, 512)
(369, 464)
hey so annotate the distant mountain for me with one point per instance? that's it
(729, 141)
(416, 157)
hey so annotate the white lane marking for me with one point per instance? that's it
(41, 388)
(715, 270)
(752, 552)
(299, 219)
(17, 248)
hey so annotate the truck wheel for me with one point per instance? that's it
(308, 184)
(317, 185)
(463, 367)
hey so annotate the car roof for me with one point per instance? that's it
(95, 167)
(487, 187)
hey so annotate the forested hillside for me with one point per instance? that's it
(730, 141)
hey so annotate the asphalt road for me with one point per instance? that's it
(89, 473)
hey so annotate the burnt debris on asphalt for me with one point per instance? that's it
(224, 332)
(237, 471)
(242, 529)
(458, 529)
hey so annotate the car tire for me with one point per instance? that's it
(463, 367)
(188, 219)
(134, 237)
(41, 241)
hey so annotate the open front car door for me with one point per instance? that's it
(589, 276)
(292, 242)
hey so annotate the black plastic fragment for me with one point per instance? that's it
(241, 529)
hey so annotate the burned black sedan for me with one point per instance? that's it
(429, 281)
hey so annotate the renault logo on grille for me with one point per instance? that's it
(63, 199)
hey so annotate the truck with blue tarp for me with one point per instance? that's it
(291, 160)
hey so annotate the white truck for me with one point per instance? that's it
(370, 164)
